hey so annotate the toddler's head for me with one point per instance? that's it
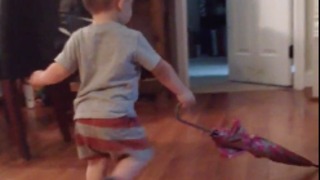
(122, 8)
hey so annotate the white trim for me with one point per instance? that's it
(316, 18)
(308, 78)
(181, 36)
(299, 42)
(315, 51)
(315, 69)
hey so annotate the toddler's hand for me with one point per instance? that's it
(34, 79)
(187, 99)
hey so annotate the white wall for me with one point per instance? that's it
(308, 61)
(309, 25)
(312, 10)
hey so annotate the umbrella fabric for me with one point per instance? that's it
(236, 141)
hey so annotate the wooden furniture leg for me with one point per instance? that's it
(16, 123)
(61, 99)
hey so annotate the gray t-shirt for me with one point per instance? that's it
(108, 57)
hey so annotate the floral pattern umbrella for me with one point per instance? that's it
(234, 141)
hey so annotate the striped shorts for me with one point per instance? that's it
(97, 138)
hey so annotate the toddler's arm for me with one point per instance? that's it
(65, 64)
(148, 58)
(55, 73)
(167, 76)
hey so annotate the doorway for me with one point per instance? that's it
(257, 50)
(207, 37)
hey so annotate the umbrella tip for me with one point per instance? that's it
(215, 134)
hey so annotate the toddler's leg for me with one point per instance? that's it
(96, 169)
(130, 167)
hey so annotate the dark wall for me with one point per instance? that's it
(29, 37)
(215, 14)
(27, 32)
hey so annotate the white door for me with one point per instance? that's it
(259, 37)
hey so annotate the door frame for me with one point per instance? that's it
(181, 39)
(299, 41)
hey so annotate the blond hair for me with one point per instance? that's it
(97, 5)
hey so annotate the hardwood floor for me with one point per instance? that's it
(283, 116)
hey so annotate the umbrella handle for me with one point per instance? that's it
(178, 117)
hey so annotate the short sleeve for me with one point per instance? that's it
(145, 55)
(68, 58)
